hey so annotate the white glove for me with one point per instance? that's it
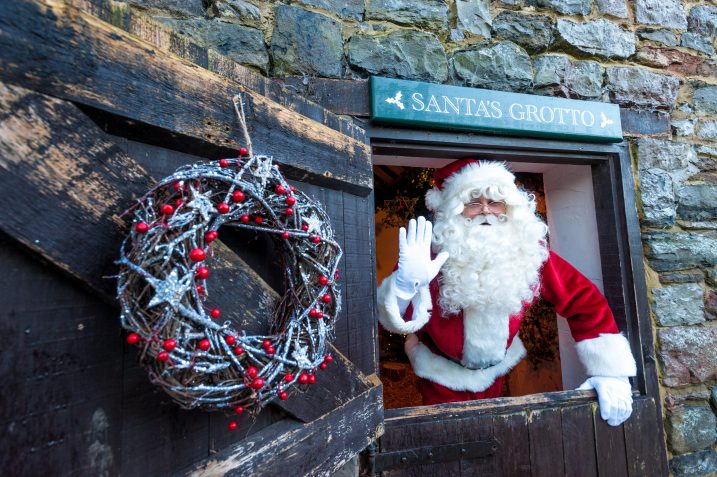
(415, 267)
(614, 397)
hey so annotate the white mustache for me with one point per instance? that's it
(490, 219)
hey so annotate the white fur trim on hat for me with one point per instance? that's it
(445, 372)
(388, 310)
(472, 176)
(607, 355)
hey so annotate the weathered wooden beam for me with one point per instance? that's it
(340, 96)
(63, 186)
(61, 51)
(317, 448)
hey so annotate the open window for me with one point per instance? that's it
(589, 205)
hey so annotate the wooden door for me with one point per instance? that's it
(91, 116)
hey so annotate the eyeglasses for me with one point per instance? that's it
(492, 206)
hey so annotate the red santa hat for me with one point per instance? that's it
(469, 175)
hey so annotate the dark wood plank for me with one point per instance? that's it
(579, 441)
(644, 448)
(75, 56)
(637, 122)
(546, 442)
(339, 96)
(54, 154)
(610, 447)
(479, 428)
(513, 454)
(331, 439)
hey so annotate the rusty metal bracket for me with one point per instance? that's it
(429, 455)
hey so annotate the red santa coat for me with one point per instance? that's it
(448, 374)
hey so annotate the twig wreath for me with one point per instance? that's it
(165, 261)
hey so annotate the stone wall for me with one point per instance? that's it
(655, 58)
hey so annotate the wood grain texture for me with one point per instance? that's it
(76, 56)
(513, 453)
(643, 440)
(579, 440)
(546, 443)
(609, 447)
(77, 181)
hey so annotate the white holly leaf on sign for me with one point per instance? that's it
(396, 100)
(604, 121)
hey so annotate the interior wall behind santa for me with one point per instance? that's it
(655, 58)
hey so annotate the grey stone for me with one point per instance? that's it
(688, 276)
(683, 127)
(676, 158)
(184, 8)
(697, 202)
(306, 43)
(417, 13)
(705, 99)
(616, 8)
(703, 20)
(667, 13)
(707, 151)
(707, 129)
(713, 396)
(697, 464)
(408, 54)
(680, 250)
(599, 37)
(457, 35)
(687, 354)
(641, 87)
(691, 428)
(666, 37)
(239, 11)
(658, 199)
(243, 44)
(351, 9)
(556, 75)
(502, 66)
(532, 32)
(679, 304)
(567, 7)
(698, 42)
(711, 278)
(473, 16)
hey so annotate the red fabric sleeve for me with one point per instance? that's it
(577, 299)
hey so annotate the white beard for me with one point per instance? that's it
(492, 271)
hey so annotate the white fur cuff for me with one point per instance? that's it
(607, 355)
(452, 375)
(390, 315)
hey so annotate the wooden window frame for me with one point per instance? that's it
(621, 254)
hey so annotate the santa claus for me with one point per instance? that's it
(462, 323)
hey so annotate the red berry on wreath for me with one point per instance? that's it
(304, 227)
(252, 372)
(167, 209)
(197, 255)
(270, 350)
(326, 298)
(290, 200)
(163, 356)
(322, 366)
(223, 163)
(200, 289)
(215, 313)
(230, 340)
(323, 280)
(239, 409)
(266, 343)
(178, 186)
(204, 344)
(133, 338)
(238, 196)
(232, 426)
(257, 383)
(258, 219)
(291, 188)
(141, 227)
(328, 358)
(289, 377)
(238, 350)
(178, 203)
(244, 218)
(202, 273)
(211, 236)
(222, 207)
(289, 211)
(280, 189)
(316, 239)
(303, 378)
(169, 344)
(285, 235)
(312, 379)
(243, 151)
(283, 395)
(319, 314)
(313, 313)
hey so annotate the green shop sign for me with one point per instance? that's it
(407, 103)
